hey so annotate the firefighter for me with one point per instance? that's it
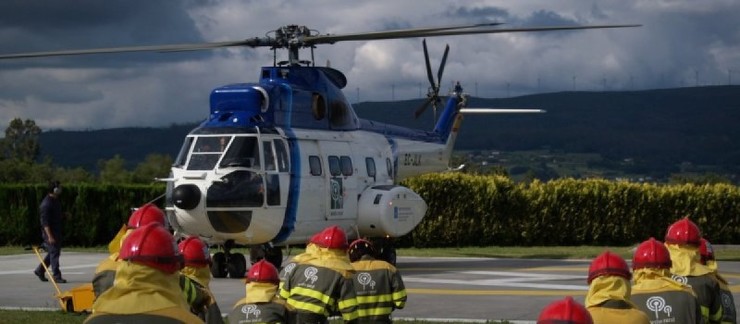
(663, 299)
(319, 281)
(377, 284)
(682, 240)
(609, 290)
(565, 311)
(729, 312)
(106, 270)
(146, 287)
(261, 305)
(195, 277)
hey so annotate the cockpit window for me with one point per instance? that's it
(269, 156)
(243, 152)
(206, 152)
(182, 157)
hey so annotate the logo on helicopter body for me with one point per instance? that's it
(337, 199)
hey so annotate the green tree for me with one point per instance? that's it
(154, 166)
(21, 141)
(114, 171)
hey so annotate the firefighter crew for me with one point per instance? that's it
(565, 311)
(378, 285)
(682, 240)
(663, 299)
(146, 287)
(729, 312)
(195, 277)
(319, 281)
(261, 304)
(106, 270)
(609, 290)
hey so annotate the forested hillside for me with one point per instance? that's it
(657, 127)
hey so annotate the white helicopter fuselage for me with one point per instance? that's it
(307, 180)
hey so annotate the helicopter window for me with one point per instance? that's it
(346, 163)
(318, 107)
(282, 156)
(269, 156)
(243, 152)
(334, 168)
(183, 155)
(389, 167)
(206, 152)
(315, 164)
(338, 113)
(370, 165)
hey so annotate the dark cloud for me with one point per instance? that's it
(37, 25)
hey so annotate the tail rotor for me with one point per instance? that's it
(433, 93)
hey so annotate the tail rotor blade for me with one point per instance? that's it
(423, 107)
(429, 66)
(442, 66)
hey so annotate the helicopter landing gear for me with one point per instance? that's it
(385, 249)
(271, 253)
(226, 263)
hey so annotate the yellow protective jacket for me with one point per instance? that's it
(608, 302)
(686, 268)
(379, 289)
(261, 305)
(663, 299)
(318, 283)
(142, 292)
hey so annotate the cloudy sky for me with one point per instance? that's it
(681, 43)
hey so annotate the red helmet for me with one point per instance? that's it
(609, 264)
(146, 214)
(683, 232)
(153, 246)
(331, 237)
(564, 311)
(706, 251)
(651, 254)
(263, 271)
(359, 248)
(195, 252)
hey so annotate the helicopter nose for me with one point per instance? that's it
(186, 196)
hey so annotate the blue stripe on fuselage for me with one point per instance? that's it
(294, 188)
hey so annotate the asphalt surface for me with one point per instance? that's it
(438, 288)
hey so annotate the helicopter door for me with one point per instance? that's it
(313, 184)
(277, 166)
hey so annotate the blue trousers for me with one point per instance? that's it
(51, 260)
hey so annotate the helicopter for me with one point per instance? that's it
(279, 159)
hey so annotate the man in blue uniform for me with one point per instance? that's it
(50, 212)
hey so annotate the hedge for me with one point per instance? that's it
(464, 210)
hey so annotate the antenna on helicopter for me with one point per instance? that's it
(433, 93)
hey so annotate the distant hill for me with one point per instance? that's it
(658, 127)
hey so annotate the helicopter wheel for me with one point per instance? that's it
(386, 251)
(275, 256)
(237, 265)
(271, 253)
(218, 265)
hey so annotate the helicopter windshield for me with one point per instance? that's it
(207, 150)
(243, 152)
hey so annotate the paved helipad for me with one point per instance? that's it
(440, 288)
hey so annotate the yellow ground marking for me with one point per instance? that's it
(495, 292)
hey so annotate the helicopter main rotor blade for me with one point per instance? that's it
(411, 33)
(153, 48)
(390, 34)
